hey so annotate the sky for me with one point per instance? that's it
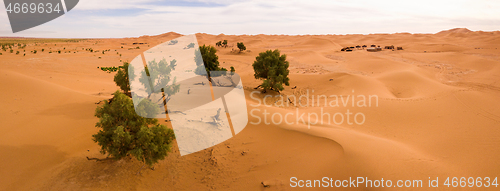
(133, 18)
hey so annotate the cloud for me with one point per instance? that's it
(121, 18)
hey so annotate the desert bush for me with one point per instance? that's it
(271, 67)
(241, 46)
(209, 60)
(219, 44)
(11, 51)
(124, 133)
(43, 49)
(110, 69)
(157, 76)
(34, 51)
(224, 43)
(190, 45)
(59, 51)
(232, 69)
(122, 77)
(17, 52)
(173, 42)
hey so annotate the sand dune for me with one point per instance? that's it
(437, 114)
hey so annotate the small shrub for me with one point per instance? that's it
(190, 45)
(241, 46)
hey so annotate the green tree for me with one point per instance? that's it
(224, 43)
(209, 59)
(219, 44)
(123, 132)
(122, 77)
(241, 46)
(232, 69)
(157, 76)
(271, 67)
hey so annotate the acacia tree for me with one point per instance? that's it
(157, 76)
(241, 46)
(224, 43)
(209, 60)
(219, 44)
(122, 77)
(123, 132)
(272, 68)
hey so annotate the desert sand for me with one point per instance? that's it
(438, 114)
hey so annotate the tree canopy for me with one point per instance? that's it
(209, 59)
(122, 77)
(241, 46)
(272, 68)
(123, 132)
(157, 77)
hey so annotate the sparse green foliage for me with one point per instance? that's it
(190, 45)
(158, 76)
(34, 51)
(59, 51)
(232, 69)
(241, 46)
(224, 43)
(272, 67)
(43, 49)
(17, 52)
(11, 51)
(219, 44)
(125, 133)
(209, 59)
(122, 77)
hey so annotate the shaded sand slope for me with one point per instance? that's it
(41, 124)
